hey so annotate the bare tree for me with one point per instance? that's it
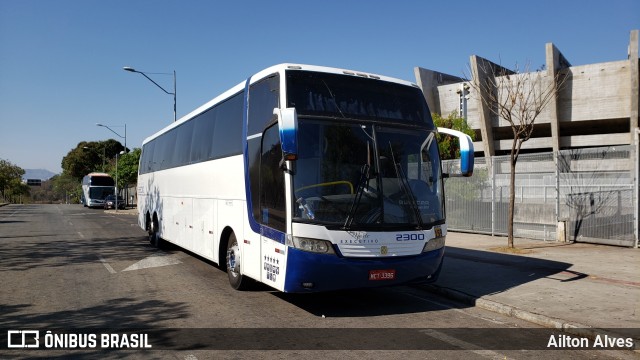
(518, 98)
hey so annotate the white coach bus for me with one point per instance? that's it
(304, 178)
(95, 187)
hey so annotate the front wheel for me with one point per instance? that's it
(236, 279)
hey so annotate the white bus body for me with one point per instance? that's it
(95, 187)
(301, 178)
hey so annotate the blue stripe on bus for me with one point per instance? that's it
(273, 234)
(331, 272)
(247, 183)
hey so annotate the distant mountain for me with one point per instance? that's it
(41, 174)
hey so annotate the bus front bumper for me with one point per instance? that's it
(310, 272)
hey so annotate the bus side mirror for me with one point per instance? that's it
(466, 151)
(288, 126)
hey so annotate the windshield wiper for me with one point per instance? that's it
(404, 185)
(362, 183)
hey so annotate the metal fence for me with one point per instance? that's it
(587, 193)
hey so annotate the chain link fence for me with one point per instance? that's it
(585, 195)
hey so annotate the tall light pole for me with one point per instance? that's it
(130, 69)
(125, 133)
(120, 153)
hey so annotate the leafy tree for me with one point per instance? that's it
(17, 191)
(66, 186)
(127, 168)
(90, 156)
(449, 147)
(11, 180)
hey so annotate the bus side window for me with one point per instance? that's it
(272, 189)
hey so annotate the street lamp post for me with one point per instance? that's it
(125, 133)
(120, 153)
(130, 69)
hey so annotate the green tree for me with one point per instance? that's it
(17, 191)
(11, 180)
(90, 156)
(66, 186)
(449, 147)
(127, 168)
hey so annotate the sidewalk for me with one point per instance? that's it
(130, 211)
(583, 288)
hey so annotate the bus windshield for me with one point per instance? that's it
(354, 97)
(100, 192)
(361, 176)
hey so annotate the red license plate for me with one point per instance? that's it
(376, 275)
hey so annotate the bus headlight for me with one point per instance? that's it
(313, 245)
(434, 244)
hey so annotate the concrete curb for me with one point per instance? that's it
(122, 212)
(512, 311)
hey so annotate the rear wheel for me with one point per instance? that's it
(236, 279)
(154, 234)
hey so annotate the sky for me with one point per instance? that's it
(61, 61)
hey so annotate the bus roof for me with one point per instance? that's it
(98, 174)
(266, 72)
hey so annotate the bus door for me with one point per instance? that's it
(273, 212)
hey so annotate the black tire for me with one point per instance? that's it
(233, 262)
(154, 234)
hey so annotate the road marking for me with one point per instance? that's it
(10, 215)
(106, 264)
(80, 234)
(455, 309)
(462, 344)
(154, 261)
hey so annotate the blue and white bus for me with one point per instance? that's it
(304, 178)
(95, 187)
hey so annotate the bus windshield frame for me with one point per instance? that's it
(368, 158)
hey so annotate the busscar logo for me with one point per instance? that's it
(20, 339)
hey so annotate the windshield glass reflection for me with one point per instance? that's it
(359, 176)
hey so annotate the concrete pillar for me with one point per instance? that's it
(635, 77)
(633, 124)
(480, 76)
(484, 72)
(428, 81)
(555, 62)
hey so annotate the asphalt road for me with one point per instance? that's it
(74, 270)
